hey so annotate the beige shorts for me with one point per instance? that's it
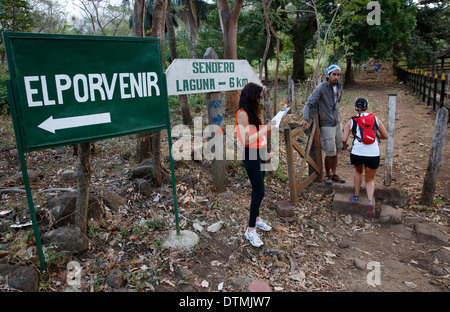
(331, 139)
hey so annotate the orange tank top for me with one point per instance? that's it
(252, 129)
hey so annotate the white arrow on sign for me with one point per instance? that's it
(51, 124)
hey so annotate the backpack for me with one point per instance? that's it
(367, 127)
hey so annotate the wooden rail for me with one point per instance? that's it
(428, 88)
(311, 155)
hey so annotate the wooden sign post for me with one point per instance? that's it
(215, 117)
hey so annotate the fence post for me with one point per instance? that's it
(434, 162)
(422, 83)
(415, 75)
(290, 94)
(291, 167)
(442, 90)
(424, 86)
(429, 90)
(435, 91)
(390, 141)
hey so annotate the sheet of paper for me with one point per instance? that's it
(280, 116)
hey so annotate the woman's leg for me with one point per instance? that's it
(369, 175)
(256, 176)
(357, 178)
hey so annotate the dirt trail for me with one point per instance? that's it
(414, 126)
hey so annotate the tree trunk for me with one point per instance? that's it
(159, 20)
(184, 104)
(349, 78)
(138, 18)
(190, 17)
(171, 33)
(266, 52)
(83, 181)
(298, 61)
(275, 85)
(228, 22)
(143, 139)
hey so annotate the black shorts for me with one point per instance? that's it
(370, 162)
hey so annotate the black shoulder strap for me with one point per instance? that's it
(355, 128)
(354, 124)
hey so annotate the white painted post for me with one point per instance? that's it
(390, 141)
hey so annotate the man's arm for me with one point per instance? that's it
(311, 103)
(347, 129)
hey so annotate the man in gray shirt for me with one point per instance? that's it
(324, 100)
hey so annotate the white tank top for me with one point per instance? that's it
(361, 149)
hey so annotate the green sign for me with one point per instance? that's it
(71, 89)
(74, 89)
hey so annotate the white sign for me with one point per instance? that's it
(189, 76)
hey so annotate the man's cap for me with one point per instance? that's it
(331, 68)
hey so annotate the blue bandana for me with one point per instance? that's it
(331, 68)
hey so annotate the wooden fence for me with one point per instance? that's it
(431, 89)
(309, 156)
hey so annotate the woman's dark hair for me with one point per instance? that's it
(361, 105)
(249, 102)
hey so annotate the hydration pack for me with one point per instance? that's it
(367, 128)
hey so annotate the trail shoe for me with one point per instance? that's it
(328, 180)
(260, 224)
(336, 178)
(354, 199)
(370, 210)
(253, 237)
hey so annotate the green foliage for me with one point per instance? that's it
(252, 36)
(15, 15)
(4, 103)
(431, 34)
(361, 40)
(210, 34)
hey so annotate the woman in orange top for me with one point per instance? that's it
(253, 135)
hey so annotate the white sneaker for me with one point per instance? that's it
(253, 237)
(260, 224)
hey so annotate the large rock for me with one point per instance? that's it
(115, 278)
(113, 201)
(67, 238)
(341, 202)
(284, 208)
(143, 170)
(69, 176)
(430, 235)
(143, 187)
(391, 196)
(389, 214)
(63, 208)
(259, 286)
(385, 195)
(20, 277)
(33, 175)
